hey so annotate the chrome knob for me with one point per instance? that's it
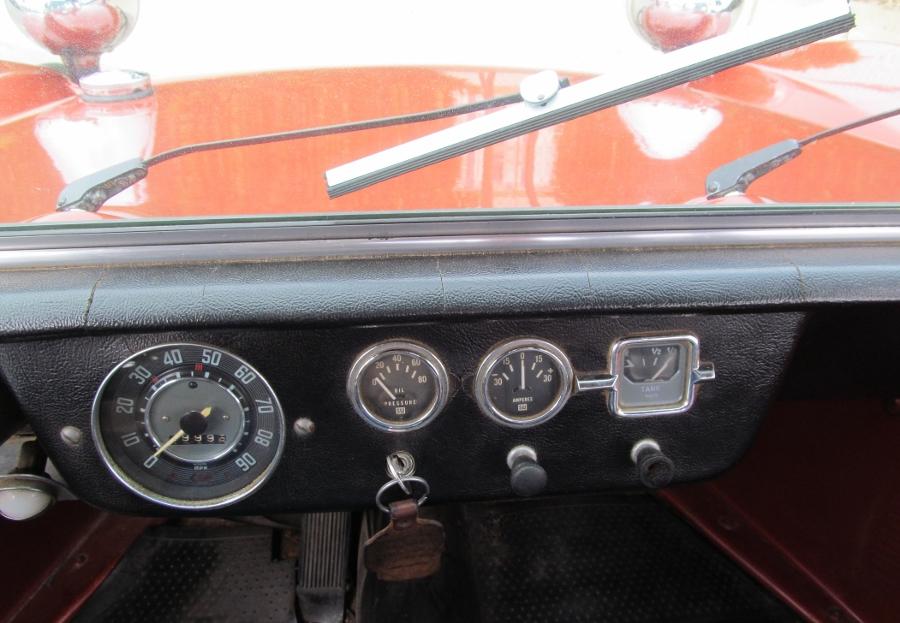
(79, 31)
(655, 469)
(526, 476)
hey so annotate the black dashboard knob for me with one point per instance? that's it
(655, 469)
(526, 476)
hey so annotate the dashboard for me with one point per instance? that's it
(267, 421)
(258, 421)
(164, 383)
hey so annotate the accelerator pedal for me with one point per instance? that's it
(322, 572)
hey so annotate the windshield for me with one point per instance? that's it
(219, 71)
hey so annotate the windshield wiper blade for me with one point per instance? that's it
(737, 175)
(668, 70)
(92, 191)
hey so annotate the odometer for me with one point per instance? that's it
(188, 426)
(523, 382)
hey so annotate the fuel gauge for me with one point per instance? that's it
(652, 363)
(656, 375)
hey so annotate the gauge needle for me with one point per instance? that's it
(522, 368)
(205, 413)
(663, 367)
(384, 387)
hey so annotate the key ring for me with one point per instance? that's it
(395, 474)
(400, 482)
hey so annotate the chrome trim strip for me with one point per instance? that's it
(443, 245)
(595, 382)
(584, 219)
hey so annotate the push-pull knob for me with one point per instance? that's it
(654, 468)
(526, 476)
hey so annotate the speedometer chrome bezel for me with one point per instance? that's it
(146, 493)
(369, 356)
(512, 347)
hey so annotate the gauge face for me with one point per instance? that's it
(524, 382)
(188, 426)
(654, 375)
(398, 385)
(652, 363)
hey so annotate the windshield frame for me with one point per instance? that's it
(186, 240)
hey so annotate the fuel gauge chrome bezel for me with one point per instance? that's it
(694, 373)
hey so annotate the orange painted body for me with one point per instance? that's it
(657, 150)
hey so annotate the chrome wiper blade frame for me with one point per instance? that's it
(92, 191)
(672, 69)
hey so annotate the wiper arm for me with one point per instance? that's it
(669, 70)
(92, 191)
(737, 175)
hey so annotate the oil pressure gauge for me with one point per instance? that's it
(398, 386)
(523, 382)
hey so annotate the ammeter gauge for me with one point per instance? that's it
(523, 382)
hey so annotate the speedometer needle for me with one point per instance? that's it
(384, 387)
(205, 413)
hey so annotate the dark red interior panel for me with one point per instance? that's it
(53, 563)
(813, 508)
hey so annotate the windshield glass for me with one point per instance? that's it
(219, 71)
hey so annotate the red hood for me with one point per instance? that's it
(656, 150)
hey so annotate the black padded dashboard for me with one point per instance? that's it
(301, 316)
(461, 452)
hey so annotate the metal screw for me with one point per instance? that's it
(729, 523)
(304, 427)
(836, 614)
(71, 436)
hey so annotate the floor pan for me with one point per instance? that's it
(197, 575)
(622, 558)
(614, 558)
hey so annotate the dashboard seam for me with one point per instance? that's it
(90, 299)
(443, 290)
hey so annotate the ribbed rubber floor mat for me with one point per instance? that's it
(196, 575)
(623, 558)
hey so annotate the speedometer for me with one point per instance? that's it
(188, 426)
